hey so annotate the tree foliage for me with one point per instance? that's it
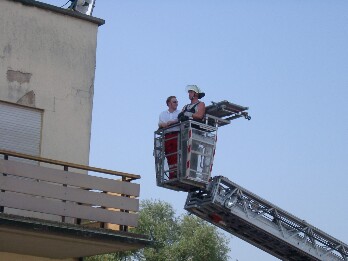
(175, 238)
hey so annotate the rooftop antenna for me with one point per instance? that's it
(82, 6)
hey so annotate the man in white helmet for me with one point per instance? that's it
(196, 109)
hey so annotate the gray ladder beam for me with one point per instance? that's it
(262, 224)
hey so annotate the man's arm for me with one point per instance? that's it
(161, 121)
(200, 111)
(162, 124)
(172, 122)
(166, 124)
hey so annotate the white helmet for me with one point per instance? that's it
(195, 88)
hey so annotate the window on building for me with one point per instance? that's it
(20, 128)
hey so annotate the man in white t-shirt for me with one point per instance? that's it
(170, 116)
(167, 118)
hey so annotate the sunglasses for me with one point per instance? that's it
(174, 101)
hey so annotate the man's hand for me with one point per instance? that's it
(188, 114)
(167, 124)
(163, 125)
(180, 115)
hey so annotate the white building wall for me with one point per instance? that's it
(47, 61)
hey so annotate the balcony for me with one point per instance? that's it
(53, 209)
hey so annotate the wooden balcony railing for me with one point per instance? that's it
(57, 190)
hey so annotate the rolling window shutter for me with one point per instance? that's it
(20, 129)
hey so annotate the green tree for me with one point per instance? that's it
(157, 219)
(199, 241)
(184, 238)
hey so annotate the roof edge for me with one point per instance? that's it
(45, 226)
(63, 11)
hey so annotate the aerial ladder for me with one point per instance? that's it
(229, 206)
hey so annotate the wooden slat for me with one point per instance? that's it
(74, 194)
(104, 184)
(69, 178)
(67, 209)
(68, 164)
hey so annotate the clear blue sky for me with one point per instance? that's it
(286, 60)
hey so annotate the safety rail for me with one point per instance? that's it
(193, 157)
(62, 193)
(263, 224)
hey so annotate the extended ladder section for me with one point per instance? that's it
(224, 112)
(262, 224)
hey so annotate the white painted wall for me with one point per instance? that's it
(53, 55)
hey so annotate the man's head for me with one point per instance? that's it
(172, 102)
(194, 91)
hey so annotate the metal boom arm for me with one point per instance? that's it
(228, 205)
(264, 225)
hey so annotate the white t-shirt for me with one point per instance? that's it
(166, 116)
